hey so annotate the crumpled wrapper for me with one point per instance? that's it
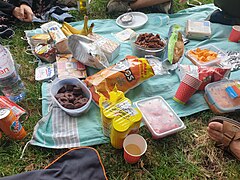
(87, 51)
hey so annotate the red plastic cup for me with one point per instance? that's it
(134, 147)
(235, 34)
(188, 86)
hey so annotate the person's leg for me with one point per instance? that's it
(146, 3)
(216, 132)
(117, 7)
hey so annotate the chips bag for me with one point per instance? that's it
(125, 75)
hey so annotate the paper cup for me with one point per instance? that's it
(235, 34)
(134, 147)
(188, 86)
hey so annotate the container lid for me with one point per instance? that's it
(159, 116)
(221, 55)
(218, 96)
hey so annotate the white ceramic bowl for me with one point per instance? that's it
(58, 84)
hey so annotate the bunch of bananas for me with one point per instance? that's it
(68, 30)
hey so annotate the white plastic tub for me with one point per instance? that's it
(58, 84)
(159, 117)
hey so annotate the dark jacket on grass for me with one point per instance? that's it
(230, 7)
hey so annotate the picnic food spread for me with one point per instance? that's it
(73, 88)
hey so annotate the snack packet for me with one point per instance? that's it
(87, 52)
(45, 52)
(175, 45)
(205, 74)
(125, 75)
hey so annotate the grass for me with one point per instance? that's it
(186, 155)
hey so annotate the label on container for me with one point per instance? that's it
(44, 72)
(56, 34)
(6, 64)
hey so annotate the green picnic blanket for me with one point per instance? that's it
(58, 130)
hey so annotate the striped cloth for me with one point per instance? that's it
(57, 130)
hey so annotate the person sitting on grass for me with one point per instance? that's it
(117, 7)
(226, 133)
(228, 14)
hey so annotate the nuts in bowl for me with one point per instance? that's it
(148, 44)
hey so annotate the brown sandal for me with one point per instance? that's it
(231, 132)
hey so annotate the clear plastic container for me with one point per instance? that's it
(11, 84)
(159, 117)
(141, 51)
(221, 55)
(218, 99)
(56, 85)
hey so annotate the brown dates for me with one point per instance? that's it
(149, 40)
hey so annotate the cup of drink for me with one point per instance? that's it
(188, 86)
(134, 147)
(235, 34)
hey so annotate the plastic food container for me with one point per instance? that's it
(71, 81)
(159, 117)
(141, 51)
(218, 99)
(221, 56)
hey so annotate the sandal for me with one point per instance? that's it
(231, 132)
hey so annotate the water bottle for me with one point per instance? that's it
(11, 84)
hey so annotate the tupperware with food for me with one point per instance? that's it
(219, 100)
(159, 117)
(208, 55)
(147, 44)
(58, 84)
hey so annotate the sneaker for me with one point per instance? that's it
(117, 7)
(6, 32)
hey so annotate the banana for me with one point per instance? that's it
(84, 31)
(70, 28)
(66, 31)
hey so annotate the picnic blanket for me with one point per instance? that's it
(58, 130)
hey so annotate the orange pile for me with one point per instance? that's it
(203, 55)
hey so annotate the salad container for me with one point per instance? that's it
(218, 99)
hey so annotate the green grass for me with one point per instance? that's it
(186, 155)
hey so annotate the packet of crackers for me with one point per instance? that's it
(175, 44)
(87, 51)
(110, 48)
(125, 75)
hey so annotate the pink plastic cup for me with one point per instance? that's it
(134, 147)
(188, 86)
(235, 34)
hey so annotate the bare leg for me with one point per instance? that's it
(146, 3)
(215, 132)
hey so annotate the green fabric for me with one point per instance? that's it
(89, 125)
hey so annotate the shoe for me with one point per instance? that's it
(230, 132)
(117, 7)
(6, 32)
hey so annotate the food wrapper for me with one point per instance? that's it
(125, 75)
(45, 52)
(175, 44)
(108, 47)
(87, 51)
(59, 39)
(67, 66)
(205, 74)
(40, 39)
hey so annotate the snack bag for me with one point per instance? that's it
(205, 74)
(87, 51)
(125, 75)
(175, 45)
